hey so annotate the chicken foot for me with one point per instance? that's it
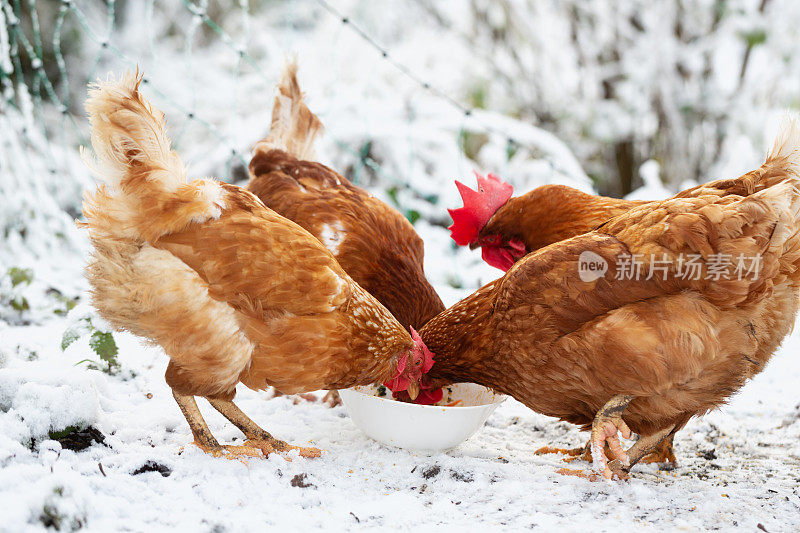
(257, 437)
(635, 453)
(663, 453)
(202, 435)
(605, 426)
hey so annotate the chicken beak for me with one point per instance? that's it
(413, 391)
(474, 244)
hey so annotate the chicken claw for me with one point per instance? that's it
(332, 398)
(278, 446)
(239, 453)
(259, 443)
(571, 453)
(663, 454)
(605, 426)
(256, 436)
(591, 476)
(640, 449)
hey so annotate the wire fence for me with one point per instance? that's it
(43, 92)
(50, 50)
(31, 70)
(44, 73)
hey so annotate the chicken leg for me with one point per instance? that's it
(202, 435)
(605, 426)
(604, 432)
(663, 453)
(256, 436)
(259, 443)
(636, 452)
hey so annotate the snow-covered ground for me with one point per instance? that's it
(523, 68)
(737, 466)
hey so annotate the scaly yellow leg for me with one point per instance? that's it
(202, 435)
(256, 436)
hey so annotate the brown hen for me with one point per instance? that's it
(643, 352)
(375, 244)
(508, 228)
(232, 291)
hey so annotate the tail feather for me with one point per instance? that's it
(785, 240)
(768, 214)
(782, 164)
(294, 127)
(781, 228)
(146, 194)
(786, 148)
(129, 137)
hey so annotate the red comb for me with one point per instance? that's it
(479, 206)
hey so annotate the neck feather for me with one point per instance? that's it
(461, 340)
(553, 213)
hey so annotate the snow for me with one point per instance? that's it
(737, 466)
(653, 188)
(493, 480)
(533, 78)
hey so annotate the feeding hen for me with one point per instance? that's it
(232, 291)
(644, 353)
(374, 243)
(507, 228)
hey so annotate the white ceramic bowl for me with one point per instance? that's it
(421, 427)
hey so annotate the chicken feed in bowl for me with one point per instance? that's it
(461, 412)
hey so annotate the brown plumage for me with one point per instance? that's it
(372, 242)
(231, 290)
(673, 348)
(551, 213)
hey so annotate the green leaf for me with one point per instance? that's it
(69, 304)
(511, 150)
(392, 194)
(20, 275)
(103, 344)
(754, 37)
(20, 304)
(412, 215)
(69, 430)
(472, 143)
(69, 336)
(478, 95)
(75, 332)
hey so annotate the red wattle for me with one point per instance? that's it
(497, 257)
(425, 397)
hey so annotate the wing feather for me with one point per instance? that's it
(258, 262)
